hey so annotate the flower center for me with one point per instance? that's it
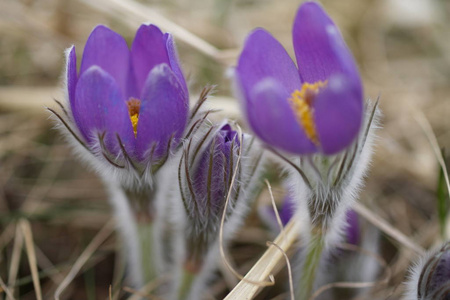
(301, 102)
(134, 106)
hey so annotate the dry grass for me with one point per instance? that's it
(52, 208)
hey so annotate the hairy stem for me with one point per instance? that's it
(310, 267)
(187, 279)
(147, 255)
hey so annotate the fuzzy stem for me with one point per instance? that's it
(147, 255)
(136, 227)
(187, 279)
(310, 266)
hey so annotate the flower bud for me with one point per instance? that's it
(207, 176)
(217, 171)
(431, 277)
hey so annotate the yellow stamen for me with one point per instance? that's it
(301, 102)
(134, 106)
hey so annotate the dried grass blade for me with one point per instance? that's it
(135, 10)
(265, 265)
(5, 289)
(288, 264)
(29, 245)
(103, 234)
(15, 260)
(428, 130)
(387, 228)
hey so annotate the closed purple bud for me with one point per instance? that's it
(218, 177)
(207, 170)
(434, 279)
(212, 176)
(128, 104)
(315, 108)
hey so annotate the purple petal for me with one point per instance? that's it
(148, 50)
(263, 56)
(338, 114)
(287, 209)
(273, 120)
(352, 231)
(212, 174)
(174, 62)
(71, 74)
(229, 134)
(319, 47)
(441, 273)
(109, 51)
(285, 212)
(163, 112)
(99, 107)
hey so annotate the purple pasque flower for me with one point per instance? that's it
(210, 160)
(218, 175)
(206, 171)
(213, 174)
(317, 107)
(285, 211)
(134, 101)
(433, 280)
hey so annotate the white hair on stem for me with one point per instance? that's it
(354, 180)
(324, 188)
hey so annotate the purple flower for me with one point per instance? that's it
(213, 174)
(218, 173)
(209, 176)
(316, 107)
(434, 278)
(206, 170)
(285, 211)
(352, 231)
(137, 99)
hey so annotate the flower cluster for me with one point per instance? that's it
(128, 115)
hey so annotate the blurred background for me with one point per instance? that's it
(59, 205)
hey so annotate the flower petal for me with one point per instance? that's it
(148, 50)
(263, 56)
(99, 107)
(352, 230)
(273, 120)
(71, 73)
(109, 51)
(338, 112)
(174, 62)
(163, 112)
(319, 47)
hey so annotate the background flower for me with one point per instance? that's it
(430, 277)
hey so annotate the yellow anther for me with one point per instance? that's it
(134, 122)
(134, 106)
(301, 102)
